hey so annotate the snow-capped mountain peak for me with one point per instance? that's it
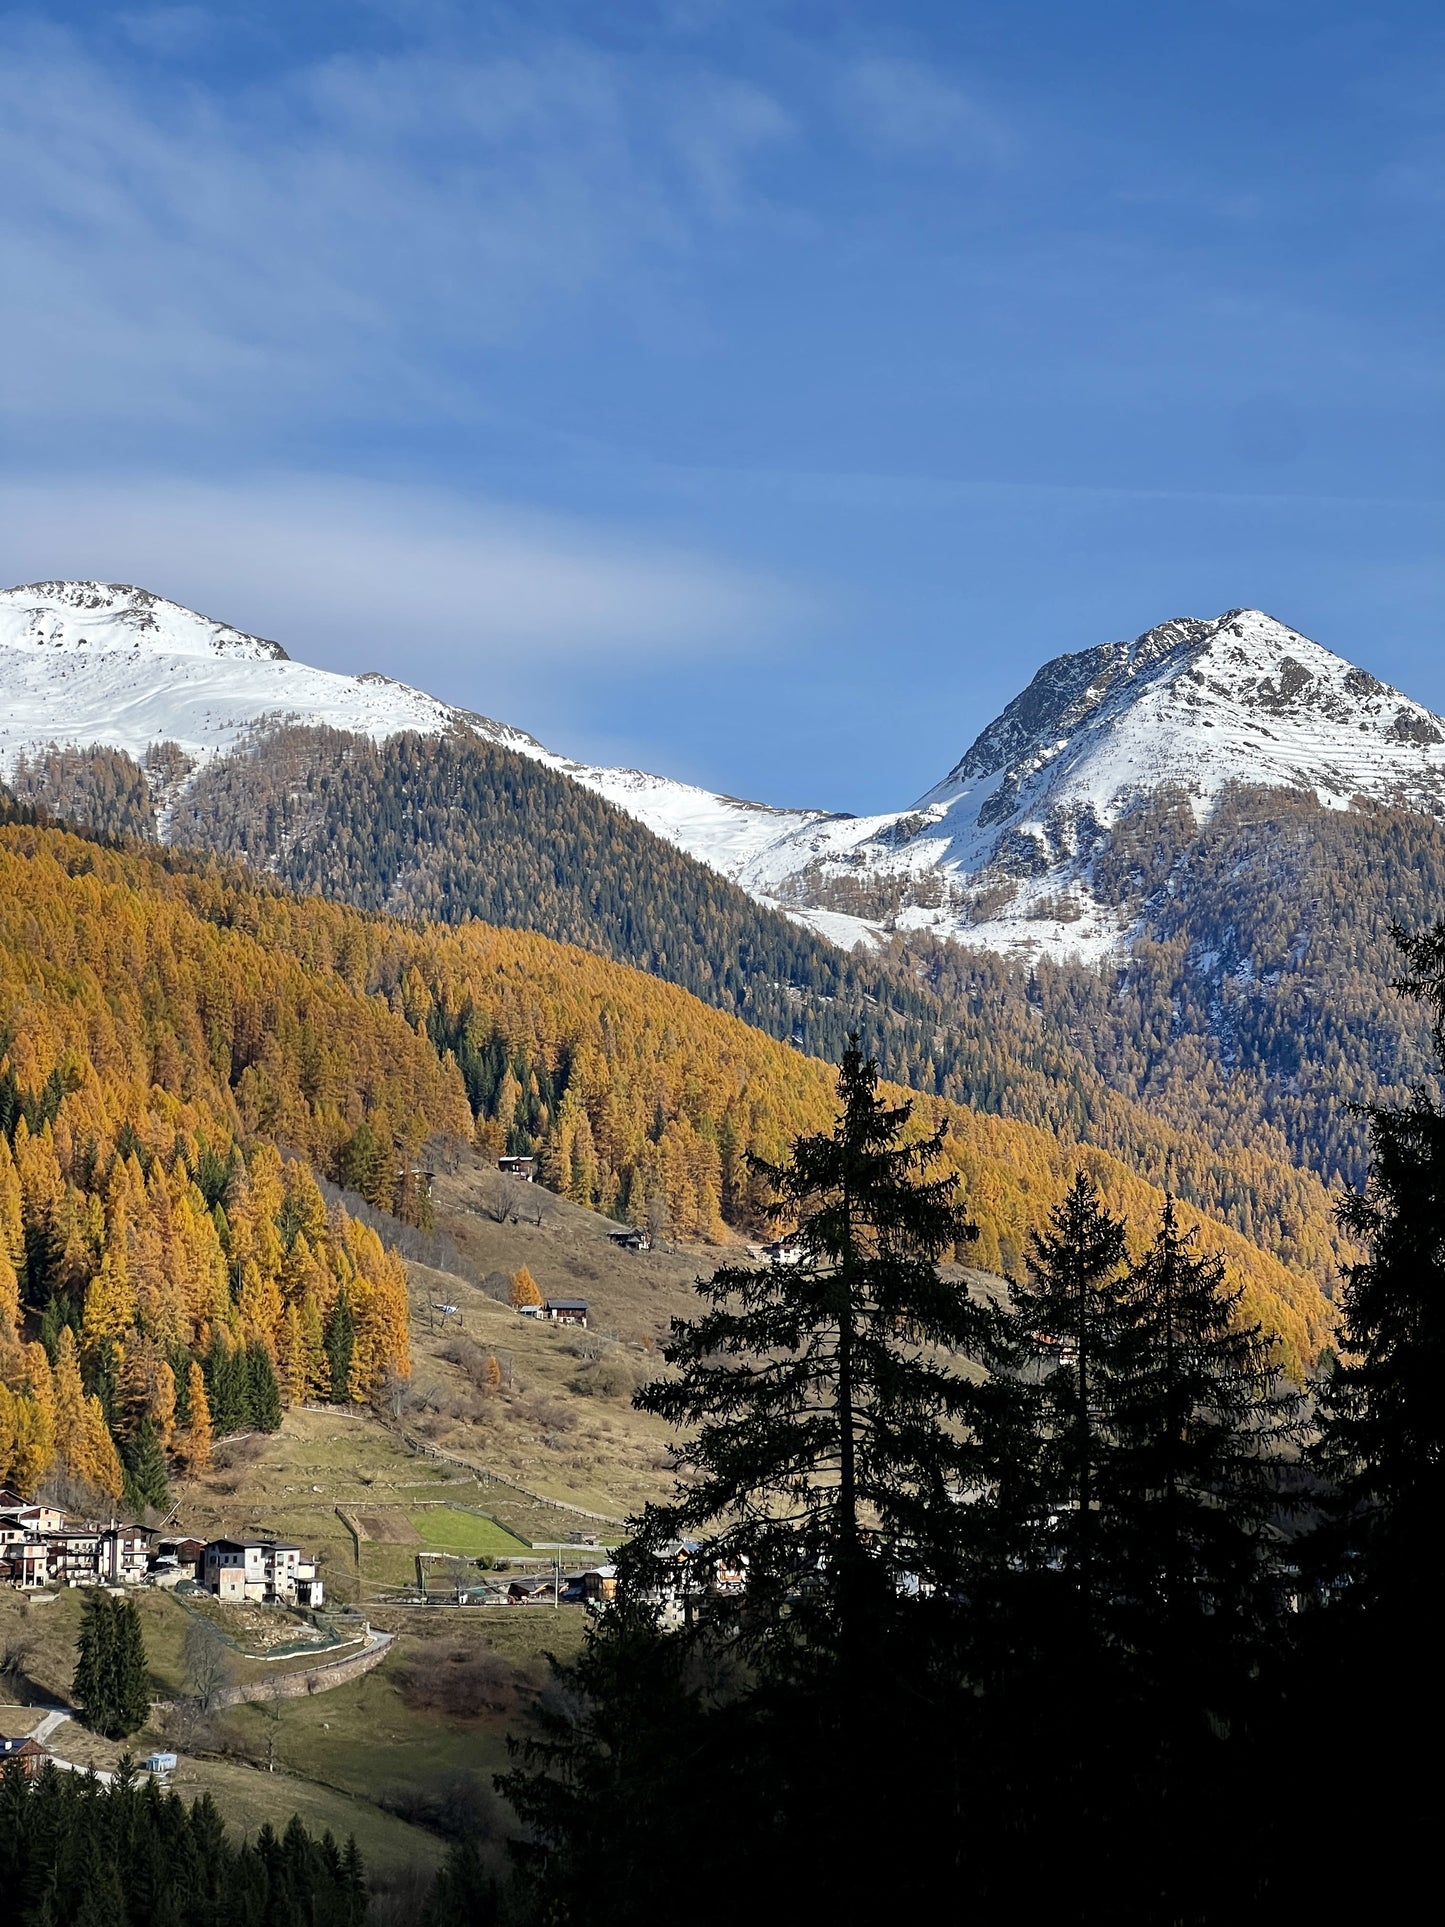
(117, 615)
(1199, 704)
(998, 853)
(107, 663)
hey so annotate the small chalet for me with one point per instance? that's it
(631, 1239)
(600, 1585)
(566, 1311)
(30, 1754)
(176, 1560)
(786, 1251)
(515, 1167)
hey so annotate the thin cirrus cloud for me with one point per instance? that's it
(351, 575)
(347, 234)
(905, 108)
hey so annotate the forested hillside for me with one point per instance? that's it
(457, 827)
(163, 1273)
(169, 1027)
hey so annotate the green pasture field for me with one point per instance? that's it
(446, 1528)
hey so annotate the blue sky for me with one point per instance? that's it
(755, 392)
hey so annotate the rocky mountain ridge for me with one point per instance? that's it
(1000, 854)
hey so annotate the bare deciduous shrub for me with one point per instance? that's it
(471, 1359)
(458, 1806)
(548, 1416)
(15, 1657)
(190, 1729)
(463, 1680)
(497, 1198)
(209, 1669)
(614, 1375)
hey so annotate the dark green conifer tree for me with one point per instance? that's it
(1375, 1560)
(90, 1688)
(228, 1388)
(366, 1165)
(112, 1679)
(75, 1851)
(819, 1394)
(340, 1343)
(145, 1468)
(1383, 1438)
(263, 1387)
(1192, 1496)
(1064, 1337)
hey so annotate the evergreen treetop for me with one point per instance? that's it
(819, 1394)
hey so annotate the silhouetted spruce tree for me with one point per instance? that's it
(819, 1394)
(145, 1468)
(651, 1765)
(1193, 1509)
(1046, 1771)
(1376, 1557)
(1065, 1333)
(1192, 1493)
(1382, 1442)
(340, 1344)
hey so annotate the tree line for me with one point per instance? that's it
(76, 1851)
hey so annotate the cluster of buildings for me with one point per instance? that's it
(41, 1547)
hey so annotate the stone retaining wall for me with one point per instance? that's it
(315, 1679)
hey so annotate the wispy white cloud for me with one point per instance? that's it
(353, 577)
(721, 133)
(168, 32)
(343, 237)
(907, 108)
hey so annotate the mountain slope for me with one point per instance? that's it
(108, 663)
(173, 1009)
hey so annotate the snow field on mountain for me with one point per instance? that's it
(87, 675)
(996, 855)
